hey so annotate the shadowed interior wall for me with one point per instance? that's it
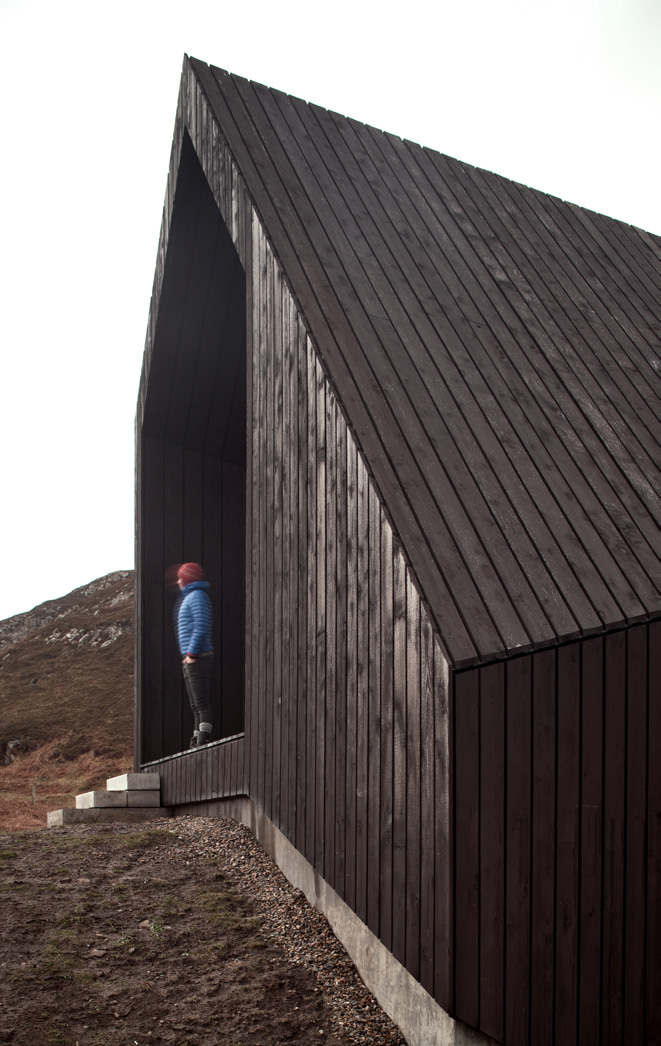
(192, 463)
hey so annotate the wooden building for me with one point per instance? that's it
(405, 412)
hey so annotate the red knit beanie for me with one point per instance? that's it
(190, 572)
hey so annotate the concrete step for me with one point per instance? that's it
(101, 799)
(134, 782)
(103, 815)
(129, 797)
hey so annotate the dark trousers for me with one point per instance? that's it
(197, 677)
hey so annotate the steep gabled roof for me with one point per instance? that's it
(495, 352)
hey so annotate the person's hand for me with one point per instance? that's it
(189, 660)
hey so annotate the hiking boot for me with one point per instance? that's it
(204, 737)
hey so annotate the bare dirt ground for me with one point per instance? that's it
(183, 932)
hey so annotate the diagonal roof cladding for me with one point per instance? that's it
(495, 351)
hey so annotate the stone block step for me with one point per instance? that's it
(129, 797)
(134, 782)
(117, 799)
(103, 815)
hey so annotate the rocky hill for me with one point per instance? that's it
(66, 688)
(21, 625)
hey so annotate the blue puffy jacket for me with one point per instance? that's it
(194, 619)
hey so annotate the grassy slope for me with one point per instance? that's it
(69, 700)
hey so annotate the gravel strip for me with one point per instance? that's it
(301, 931)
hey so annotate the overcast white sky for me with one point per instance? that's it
(564, 96)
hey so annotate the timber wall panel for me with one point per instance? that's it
(374, 741)
(518, 700)
(554, 809)
(331, 638)
(215, 772)
(492, 820)
(653, 907)
(567, 833)
(348, 838)
(387, 736)
(345, 737)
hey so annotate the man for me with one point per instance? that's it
(193, 620)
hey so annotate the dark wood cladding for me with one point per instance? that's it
(346, 685)
(215, 772)
(347, 708)
(494, 350)
(556, 843)
(485, 798)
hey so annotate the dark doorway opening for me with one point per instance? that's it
(192, 465)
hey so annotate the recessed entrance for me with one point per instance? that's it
(192, 464)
